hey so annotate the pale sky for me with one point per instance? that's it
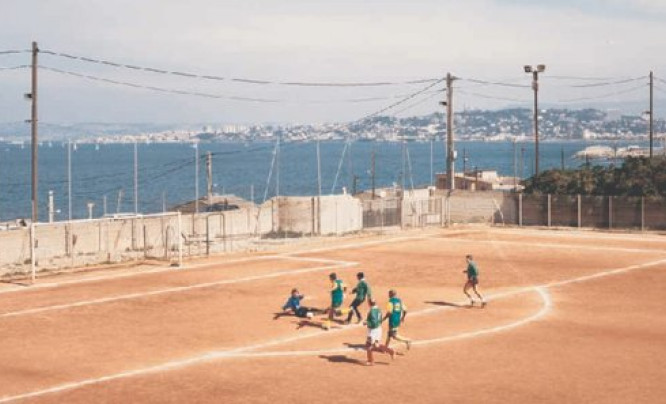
(325, 41)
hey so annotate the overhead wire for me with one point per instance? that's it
(14, 67)
(214, 96)
(238, 79)
(602, 96)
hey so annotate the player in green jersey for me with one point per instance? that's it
(373, 342)
(396, 311)
(338, 290)
(362, 290)
(472, 272)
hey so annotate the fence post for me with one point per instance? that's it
(580, 216)
(32, 251)
(520, 209)
(549, 210)
(207, 234)
(610, 212)
(642, 213)
(381, 214)
(145, 242)
(180, 240)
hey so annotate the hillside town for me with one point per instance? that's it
(477, 125)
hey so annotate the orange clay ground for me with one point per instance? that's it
(573, 316)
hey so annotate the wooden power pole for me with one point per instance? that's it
(33, 122)
(651, 121)
(450, 152)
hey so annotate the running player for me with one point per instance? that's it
(396, 312)
(472, 272)
(373, 342)
(338, 290)
(362, 291)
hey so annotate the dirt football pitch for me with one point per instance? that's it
(572, 317)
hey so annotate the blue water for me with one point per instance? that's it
(167, 170)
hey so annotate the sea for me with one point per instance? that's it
(103, 174)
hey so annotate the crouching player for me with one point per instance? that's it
(373, 342)
(293, 306)
(396, 312)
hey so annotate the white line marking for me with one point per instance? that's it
(545, 308)
(174, 290)
(244, 352)
(225, 354)
(551, 245)
(590, 234)
(139, 272)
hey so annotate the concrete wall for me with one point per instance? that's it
(325, 215)
(481, 207)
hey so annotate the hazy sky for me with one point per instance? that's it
(332, 41)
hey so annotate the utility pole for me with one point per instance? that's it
(450, 152)
(318, 170)
(431, 172)
(651, 122)
(562, 157)
(277, 163)
(515, 165)
(404, 155)
(69, 179)
(209, 176)
(33, 122)
(120, 200)
(136, 179)
(196, 177)
(373, 171)
(535, 86)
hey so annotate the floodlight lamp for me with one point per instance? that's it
(528, 69)
(541, 68)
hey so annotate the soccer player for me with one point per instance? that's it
(373, 342)
(338, 290)
(396, 312)
(472, 272)
(293, 306)
(362, 290)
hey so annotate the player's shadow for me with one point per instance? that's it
(346, 359)
(308, 323)
(355, 346)
(443, 303)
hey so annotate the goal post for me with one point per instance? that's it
(114, 239)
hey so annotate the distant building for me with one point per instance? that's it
(481, 180)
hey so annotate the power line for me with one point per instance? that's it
(410, 106)
(157, 89)
(608, 83)
(402, 101)
(9, 52)
(209, 95)
(495, 83)
(491, 97)
(14, 67)
(607, 95)
(583, 78)
(237, 79)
